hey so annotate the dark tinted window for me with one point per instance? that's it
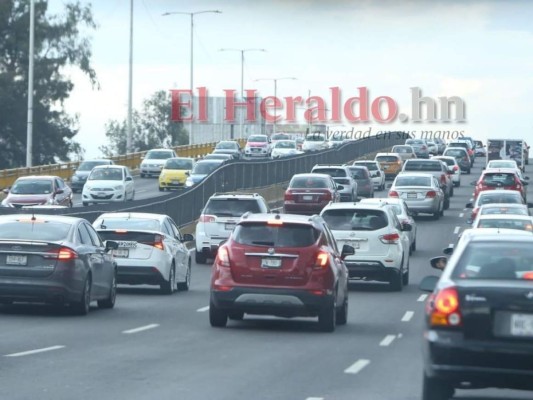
(499, 179)
(503, 210)
(94, 236)
(257, 139)
(370, 165)
(226, 146)
(142, 224)
(286, 235)
(89, 165)
(30, 186)
(231, 207)
(359, 173)
(491, 198)
(423, 166)
(106, 174)
(304, 182)
(179, 163)
(387, 158)
(455, 153)
(84, 236)
(315, 138)
(39, 230)
(159, 155)
(413, 181)
(506, 223)
(280, 136)
(333, 172)
(205, 168)
(402, 149)
(355, 220)
(448, 161)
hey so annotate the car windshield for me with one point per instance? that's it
(459, 144)
(142, 224)
(305, 182)
(226, 146)
(387, 159)
(498, 179)
(315, 138)
(159, 155)
(424, 181)
(28, 186)
(25, 229)
(506, 223)
(448, 161)
(423, 166)
(280, 136)
(257, 139)
(414, 141)
(205, 168)
(285, 144)
(355, 220)
(89, 165)
(502, 164)
(402, 149)
(495, 260)
(230, 207)
(284, 235)
(106, 174)
(503, 210)
(358, 173)
(370, 165)
(217, 157)
(176, 163)
(491, 198)
(333, 172)
(455, 153)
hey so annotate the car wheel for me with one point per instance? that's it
(396, 280)
(342, 313)
(236, 315)
(413, 246)
(217, 317)
(184, 286)
(110, 301)
(468, 171)
(436, 215)
(82, 307)
(200, 257)
(434, 389)
(161, 189)
(133, 195)
(446, 203)
(85, 204)
(405, 276)
(327, 317)
(168, 287)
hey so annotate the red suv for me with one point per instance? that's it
(310, 193)
(283, 265)
(500, 179)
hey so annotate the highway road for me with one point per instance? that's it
(153, 346)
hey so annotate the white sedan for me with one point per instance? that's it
(284, 148)
(108, 183)
(151, 249)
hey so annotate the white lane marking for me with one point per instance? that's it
(356, 367)
(456, 230)
(203, 309)
(451, 245)
(422, 297)
(37, 351)
(407, 316)
(387, 340)
(461, 215)
(141, 329)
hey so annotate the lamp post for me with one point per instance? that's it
(129, 137)
(29, 133)
(191, 15)
(242, 51)
(275, 80)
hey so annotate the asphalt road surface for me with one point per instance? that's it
(153, 346)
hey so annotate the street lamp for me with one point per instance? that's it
(242, 51)
(192, 14)
(29, 133)
(275, 80)
(129, 137)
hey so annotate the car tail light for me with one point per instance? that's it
(322, 260)
(528, 275)
(207, 218)
(289, 196)
(390, 238)
(444, 310)
(222, 259)
(157, 243)
(518, 183)
(455, 168)
(393, 193)
(431, 194)
(62, 254)
(327, 196)
(424, 147)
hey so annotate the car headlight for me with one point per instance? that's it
(87, 187)
(189, 182)
(4, 203)
(75, 178)
(119, 187)
(49, 201)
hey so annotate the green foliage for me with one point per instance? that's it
(59, 43)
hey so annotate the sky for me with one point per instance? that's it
(476, 50)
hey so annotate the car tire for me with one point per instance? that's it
(236, 315)
(82, 307)
(200, 257)
(436, 215)
(396, 280)
(109, 302)
(184, 286)
(161, 189)
(342, 313)
(446, 203)
(168, 287)
(142, 175)
(85, 204)
(133, 195)
(405, 276)
(217, 317)
(327, 317)
(434, 389)
(468, 171)
(413, 246)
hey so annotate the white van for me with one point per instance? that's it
(507, 149)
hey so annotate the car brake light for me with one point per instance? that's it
(528, 275)
(431, 194)
(274, 222)
(322, 260)
(289, 196)
(157, 243)
(207, 218)
(222, 258)
(121, 231)
(455, 168)
(393, 193)
(445, 308)
(390, 238)
(62, 254)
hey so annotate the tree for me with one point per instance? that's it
(59, 43)
(151, 127)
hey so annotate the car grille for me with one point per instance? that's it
(101, 190)
(101, 197)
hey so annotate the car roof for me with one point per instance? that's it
(443, 157)
(160, 150)
(505, 216)
(222, 196)
(409, 173)
(504, 205)
(42, 177)
(355, 206)
(454, 148)
(287, 218)
(388, 154)
(515, 193)
(209, 161)
(109, 166)
(500, 170)
(330, 166)
(181, 158)
(136, 215)
(98, 160)
(46, 217)
(496, 234)
(386, 200)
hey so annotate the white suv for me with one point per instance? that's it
(219, 217)
(380, 241)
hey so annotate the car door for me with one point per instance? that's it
(182, 253)
(333, 188)
(172, 244)
(59, 198)
(341, 272)
(129, 184)
(406, 240)
(92, 259)
(107, 267)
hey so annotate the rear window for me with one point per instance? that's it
(355, 220)
(423, 166)
(142, 224)
(333, 172)
(302, 182)
(286, 235)
(159, 155)
(402, 149)
(498, 179)
(359, 173)
(257, 139)
(231, 207)
(502, 164)
(491, 198)
(315, 138)
(370, 165)
(414, 141)
(413, 181)
(456, 144)
(495, 260)
(455, 153)
(179, 164)
(387, 158)
(505, 223)
(503, 210)
(24, 229)
(447, 161)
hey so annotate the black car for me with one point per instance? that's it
(479, 317)
(228, 147)
(82, 173)
(57, 260)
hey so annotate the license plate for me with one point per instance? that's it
(356, 245)
(271, 262)
(16, 260)
(307, 198)
(101, 195)
(385, 167)
(522, 324)
(127, 244)
(500, 188)
(175, 182)
(411, 195)
(230, 227)
(122, 253)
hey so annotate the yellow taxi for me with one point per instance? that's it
(175, 172)
(391, 163)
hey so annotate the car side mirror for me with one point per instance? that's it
(469, 205)
(5, 191)
(110, 245)
(129, 179)
(407, 227)
(187, 237)
(60, 191)
(429, 283)
(340, 187)
(529, 205)
(526, 178)
(187, 173)
(347, 250)
(448, 251)
(439, 262)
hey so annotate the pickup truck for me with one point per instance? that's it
(438, 169)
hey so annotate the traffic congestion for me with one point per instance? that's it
(418, 258)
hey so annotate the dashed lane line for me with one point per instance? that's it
(36, 351)
(357, 367)
(140, 329)
(407, 316)
(422, 297)
(387, 340)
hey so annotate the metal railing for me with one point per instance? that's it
(131, 160)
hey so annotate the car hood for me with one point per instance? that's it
(197, 177)
(103, 184)
(82, 174)
(154, 162)
(256, 144)
(27, 198)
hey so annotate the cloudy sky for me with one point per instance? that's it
(477, 50)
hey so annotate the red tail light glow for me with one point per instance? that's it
(62, 254)
(207, 218)
(455, 168)
(445, 310)
(322, 260)
(393, 193)
(222, 259)
(157, 243)
(431, 194)
(390, 238)
(289, 196)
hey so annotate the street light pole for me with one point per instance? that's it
(29, 133)
(242, 51)
(192, 14)
(275, 96)
(129, 138)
